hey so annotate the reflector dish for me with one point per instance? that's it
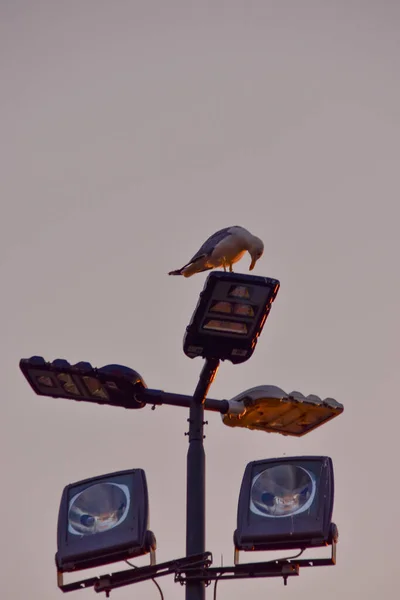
(282, 491)
(98, 508)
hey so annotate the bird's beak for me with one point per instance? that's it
(252, 264)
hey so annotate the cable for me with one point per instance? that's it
(277, 560)
(272, 561)
(152, 578)
(215, 586)
(292, 557)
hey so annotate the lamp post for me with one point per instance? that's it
(196, 476)
(226, 324)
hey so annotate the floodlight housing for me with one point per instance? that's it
(112, 384)
(103, 520)
(229, 317)
(286, 503)
(269, 408)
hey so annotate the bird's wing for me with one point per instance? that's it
(209, 245)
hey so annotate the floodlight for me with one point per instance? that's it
(113, 384)
(286, 503)
(229, 316)
(269, 408)
(102, 520)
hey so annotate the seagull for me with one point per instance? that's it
(223, 249)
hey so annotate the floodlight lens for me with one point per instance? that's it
(68, 384)
(244, 310)
(282, 491)
(95, 388)
(222, 307)
(98, 508)
(239, 291)
(225, 326)
(46, 381)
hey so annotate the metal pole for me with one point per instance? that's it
(159, 397)
(196, 476)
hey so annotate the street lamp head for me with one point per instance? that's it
(269, 408)
(286, 503)
(229, 316)
(103, 520)
(113, 384)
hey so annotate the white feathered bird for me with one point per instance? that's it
(223, 249)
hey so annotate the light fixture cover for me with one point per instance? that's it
(229, 316)
(115, 385)
(285, 503)
(102, 520)
(269, 408)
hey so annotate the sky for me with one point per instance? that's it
(131, 131)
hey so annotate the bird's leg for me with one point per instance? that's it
(230, 268)
(224, 264)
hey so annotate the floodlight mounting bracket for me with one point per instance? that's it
(197, 567)
(107, 583)
(285, 568)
